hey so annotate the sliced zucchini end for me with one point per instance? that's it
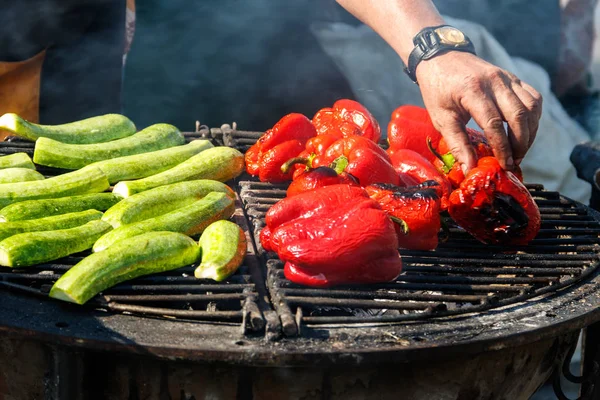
(61, 294)
(122, 189)
(9, 122)
(5, 259)
(208, 271)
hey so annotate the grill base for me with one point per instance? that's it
(51, 372)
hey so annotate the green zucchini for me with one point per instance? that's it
(54, 222)
(145, 254)
(85, 180)
(223, 245)
(219, 163)
(142, 165)
(191, 220)
(53, 153)
(100, 129)
(14, 175)
(32, 209)
(16, 160)
(26, 249)
(161, 200)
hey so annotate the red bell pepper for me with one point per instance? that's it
(285, 140)
(315, 146)
(360, 157)
(347, 118)
(333, 235)
(494, 206)
(411, 163)
(447, 165)
(410, 127)
(319, 177)
(415, 210)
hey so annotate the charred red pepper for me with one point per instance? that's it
(494, 206)
(333, 235)
(410, 127)
(414, 165)
(415, 210)
(360, 157)
(319, 177)
(347, 118)
(284, 141)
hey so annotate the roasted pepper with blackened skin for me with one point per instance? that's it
(494, 206)
(415, 211)
(333, 235)
(284, 141)
(410, 163)
(317, 178)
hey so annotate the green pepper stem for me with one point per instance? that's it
(285, 168)
(339, 164)
(402, 223)
(447, 159)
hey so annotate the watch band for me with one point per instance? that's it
(428, 44)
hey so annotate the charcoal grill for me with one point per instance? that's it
(463, 309)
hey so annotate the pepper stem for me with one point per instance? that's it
(447, 159)
(402, 223)
(339, 164)
(285, 168)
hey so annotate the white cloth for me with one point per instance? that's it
(374, 72)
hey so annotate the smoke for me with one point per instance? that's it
(224, 61)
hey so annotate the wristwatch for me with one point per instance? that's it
(435, 40)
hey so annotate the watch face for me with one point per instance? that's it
(451, 36)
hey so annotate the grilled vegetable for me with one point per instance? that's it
(142, 165)
(494, 206)
(161, 200)
(333, 235)
(32, 248)
(64, 221)
(284, 141)
(219, 163)
(32, 209)
(99, 129)
(85, 180)
(150, 253)
(14, 175)
(73, 156)
(16, 160)
(415, 211)
(191, 220)
(223, 246)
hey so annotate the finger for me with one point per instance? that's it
(516, 115)
(455, 135)
(535, 106)
(486, 114)
(530, 104)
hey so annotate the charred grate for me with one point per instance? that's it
(462, 276)
(175, 294)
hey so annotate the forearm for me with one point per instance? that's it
(396, 21)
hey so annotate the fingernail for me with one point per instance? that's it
(464, 169)
(510, 163)
(518, 161)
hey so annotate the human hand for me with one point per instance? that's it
(458, 86)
